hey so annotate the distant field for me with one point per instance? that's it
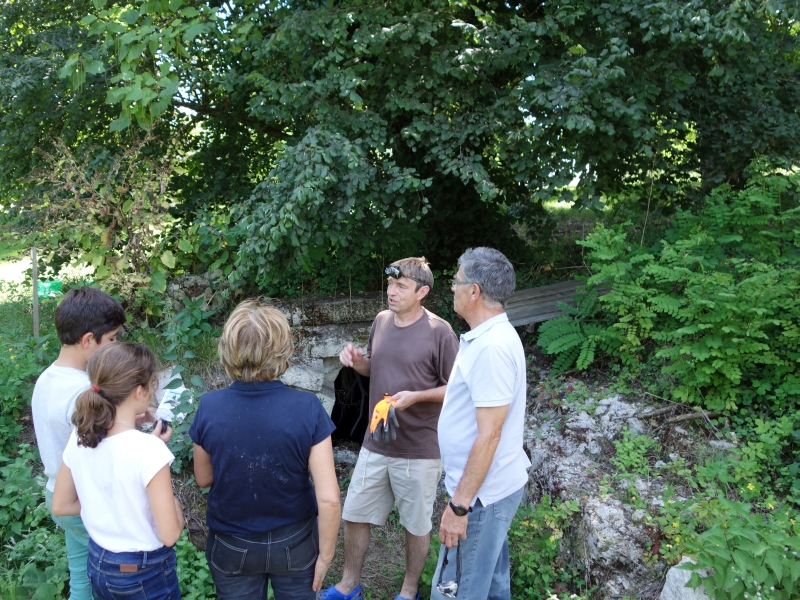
(13, 271)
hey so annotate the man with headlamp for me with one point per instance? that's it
(408, 359)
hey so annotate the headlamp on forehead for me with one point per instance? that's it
(396, 273)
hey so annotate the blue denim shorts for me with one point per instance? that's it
(133, 575)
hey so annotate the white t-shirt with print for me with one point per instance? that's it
(52, 404)
(489, 371)
(111, 481)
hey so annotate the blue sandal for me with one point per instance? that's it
(333, 594)
(402, 598)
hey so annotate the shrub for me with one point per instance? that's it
(20, 494)
(22, 360)
(718, 299)
(749, 554)
(534, 540)
(39, 562)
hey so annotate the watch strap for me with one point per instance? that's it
(460, 511)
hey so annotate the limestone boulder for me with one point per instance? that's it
(675, 584)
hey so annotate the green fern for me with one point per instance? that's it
(573, 337)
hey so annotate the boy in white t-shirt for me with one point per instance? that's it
(86, 319)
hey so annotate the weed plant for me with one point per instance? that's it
(194, 577)
(534, 540)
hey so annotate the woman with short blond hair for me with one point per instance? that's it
(255, 444)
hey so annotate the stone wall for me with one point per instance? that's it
(322, 328)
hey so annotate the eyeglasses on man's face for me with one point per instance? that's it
(456, 282)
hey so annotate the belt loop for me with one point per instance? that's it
(144, 560)
(408, 467)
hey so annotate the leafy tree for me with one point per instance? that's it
(36, 105)
(346, 130)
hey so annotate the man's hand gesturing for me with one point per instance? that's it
(354, 357)
(350, 355)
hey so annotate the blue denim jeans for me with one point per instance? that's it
(286, 557)
(484, 554)
(133, 575)
(77, 552)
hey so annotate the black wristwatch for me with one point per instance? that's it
(460, 511)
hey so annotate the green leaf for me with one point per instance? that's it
(174, 384)
(773, 559)
(577, 49)
(196, 381)
(185, 246)
(158, 282)
(121, 123)
(130, 16)
(93, 66)
(193, 31)
(168, 259)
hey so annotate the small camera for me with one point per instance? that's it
(448, 589)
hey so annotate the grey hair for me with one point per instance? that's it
(492, 271)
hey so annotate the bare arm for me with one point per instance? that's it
(167, 511)
(203, 469)
(406, 399)
(326, 487)
(490, 426)
(65, 496)
(355, 358)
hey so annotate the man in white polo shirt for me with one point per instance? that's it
(480, 433)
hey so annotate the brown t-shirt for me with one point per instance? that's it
(412, 358)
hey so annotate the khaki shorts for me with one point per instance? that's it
(380, 481)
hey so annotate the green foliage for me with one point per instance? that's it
(534, 541)
(181, 329)
(38, 562)
(751, 554)
(108, 207)
(575, 337)
(194, 578)
(766, 465)
(22, 360)
(20, 494)
(633, 452)
(359, 130)
(718, 295)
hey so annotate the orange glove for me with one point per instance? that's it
(384, 423)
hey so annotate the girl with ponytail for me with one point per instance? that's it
(117, 478)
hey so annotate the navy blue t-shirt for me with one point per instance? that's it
(259, 436)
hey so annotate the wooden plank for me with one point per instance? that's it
(536, 305)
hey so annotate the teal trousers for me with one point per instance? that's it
(80, 587)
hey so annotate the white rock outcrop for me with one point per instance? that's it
(675, 584)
